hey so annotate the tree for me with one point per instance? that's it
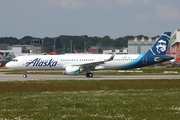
(26, 40)
(9, 40)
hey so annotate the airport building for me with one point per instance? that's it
(139, 46)
(4, 46)
(19, 50)
(175, 44)
(107, 50)
(117, 51)
(36, 47)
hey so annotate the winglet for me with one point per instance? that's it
(112, 57)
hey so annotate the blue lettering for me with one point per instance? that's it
(40, 62)
(37, 61)
(45, 63)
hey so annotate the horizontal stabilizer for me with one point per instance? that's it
(157, 59)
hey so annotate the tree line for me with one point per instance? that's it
(64, 42)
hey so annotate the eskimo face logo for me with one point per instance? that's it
(161, 46)
(44, 63)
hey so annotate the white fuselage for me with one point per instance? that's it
(59, 62)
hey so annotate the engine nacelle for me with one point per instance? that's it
(73, 70)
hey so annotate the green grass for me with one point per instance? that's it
(90, 99)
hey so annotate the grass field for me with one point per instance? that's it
(90, 100)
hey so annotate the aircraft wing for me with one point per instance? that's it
(92, 65)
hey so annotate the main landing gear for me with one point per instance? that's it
(89, 75)
(25, 74)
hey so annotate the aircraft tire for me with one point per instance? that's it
(24, 76)
(89, 75)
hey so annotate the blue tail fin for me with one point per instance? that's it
(161, 45)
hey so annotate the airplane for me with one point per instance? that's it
(5, 57)
(74, 64)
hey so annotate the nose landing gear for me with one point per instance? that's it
(89, 75)
(25, 74)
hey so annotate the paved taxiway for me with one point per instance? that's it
(13, 77)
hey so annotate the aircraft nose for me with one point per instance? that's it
(8, 65)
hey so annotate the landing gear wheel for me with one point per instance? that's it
(89, 75)
(25, 76)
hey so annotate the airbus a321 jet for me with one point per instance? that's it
(76, 63)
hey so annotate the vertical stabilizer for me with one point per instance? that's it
(161, 45)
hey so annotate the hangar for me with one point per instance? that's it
(175, 44)
(139, 46)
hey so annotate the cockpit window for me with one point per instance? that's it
(15, 60)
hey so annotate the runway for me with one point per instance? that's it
(19, 77)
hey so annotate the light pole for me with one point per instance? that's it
(70, 46)
(74, 47)
(64, 48)
(54, 44)
(84, 47)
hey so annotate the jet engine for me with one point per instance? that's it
(73, 70)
